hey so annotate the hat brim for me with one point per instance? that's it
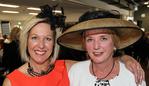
(128, 32)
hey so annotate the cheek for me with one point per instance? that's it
(109, 46)
(89, 48)
(49, 46)
(31, 45)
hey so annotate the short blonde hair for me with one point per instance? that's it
(25, 33)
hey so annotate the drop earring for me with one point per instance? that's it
(114, 48)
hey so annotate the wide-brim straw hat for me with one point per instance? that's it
(127, 31)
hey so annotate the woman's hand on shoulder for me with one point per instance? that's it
(135, 67)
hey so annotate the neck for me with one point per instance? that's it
(103, 66)
(31, 71)
(102, 70)
(39, 67)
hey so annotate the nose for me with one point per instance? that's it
(96, 45)
(41, 44)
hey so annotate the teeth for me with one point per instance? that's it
(97, 53)
(40, 52)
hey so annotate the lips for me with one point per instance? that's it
(97, 53)
(40, 52)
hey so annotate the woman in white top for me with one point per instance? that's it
(100, 36)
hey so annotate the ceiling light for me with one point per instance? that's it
(33, 13)
(9, 5)
(57, 11)
(143, 15)
(136, 8)
(146, 2)
(33, 8)
(10, 11)
(19, 23)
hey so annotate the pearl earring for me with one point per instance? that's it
(114, 48)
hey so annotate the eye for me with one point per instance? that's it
(104, 38)
(89, 40)
(48, 38)
(34, 38)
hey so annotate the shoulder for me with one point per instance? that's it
(80, 65)
(69, 63)
(6, 82)
(123, 67)
(124, 71)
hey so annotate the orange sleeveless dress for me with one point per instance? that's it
(57, 77)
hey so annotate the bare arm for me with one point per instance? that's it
(69, 63)
(6, 82)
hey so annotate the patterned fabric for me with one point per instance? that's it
(57, 77)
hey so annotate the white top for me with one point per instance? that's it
(80, 75)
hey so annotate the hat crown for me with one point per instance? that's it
(89, 15)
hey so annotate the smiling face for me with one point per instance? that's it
(99, 44)
(40, 43)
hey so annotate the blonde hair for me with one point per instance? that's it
(14, 34)
(25, 33)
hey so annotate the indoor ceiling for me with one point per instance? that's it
(71, 7)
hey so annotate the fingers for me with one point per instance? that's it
(138, 73)
(135, 71)
(134, 66)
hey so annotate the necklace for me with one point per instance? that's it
(33, 73)
(100, 81)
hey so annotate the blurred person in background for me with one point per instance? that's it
(1, 48)
(11, 54)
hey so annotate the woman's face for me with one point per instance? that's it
(40, 43)
(99, 45)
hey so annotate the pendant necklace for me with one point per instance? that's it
(101, 81)
(33, 73)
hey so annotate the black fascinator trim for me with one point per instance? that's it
(56, 20)
(99, 14)
(46, 12)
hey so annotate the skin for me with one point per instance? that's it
(40, 47)
(100, 48)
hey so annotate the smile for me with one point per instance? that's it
(40, 52)
(97, 53)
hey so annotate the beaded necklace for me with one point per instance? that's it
(33, 73)
(101, 81)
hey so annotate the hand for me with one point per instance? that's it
(134, 66)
